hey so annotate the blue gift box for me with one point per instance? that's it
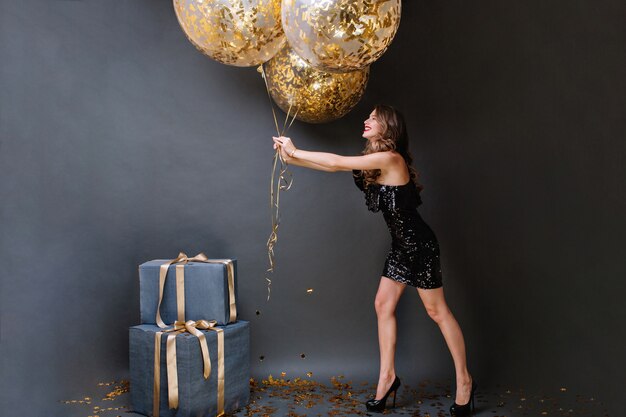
(197, 396)
(206, 292)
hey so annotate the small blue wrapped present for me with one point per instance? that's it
(195, 395)
(193, 289)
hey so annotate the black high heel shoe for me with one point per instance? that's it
(464, 410)
(379, 405)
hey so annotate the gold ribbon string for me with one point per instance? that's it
(192, 327)
(180, 262)
(284, 182)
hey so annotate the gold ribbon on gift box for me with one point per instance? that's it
(172, 372)
(181, 260)
(182, 326)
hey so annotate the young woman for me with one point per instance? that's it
(384, 173)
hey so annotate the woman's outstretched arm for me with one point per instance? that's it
(303, 163)
(307, 164)
(334, 162)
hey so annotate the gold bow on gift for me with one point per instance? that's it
(172, 372)
(181, 260)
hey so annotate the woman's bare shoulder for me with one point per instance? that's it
(389, 154)
(396, 157)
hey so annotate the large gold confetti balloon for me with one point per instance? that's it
(316, 96)
(234, 32)
(340, 35)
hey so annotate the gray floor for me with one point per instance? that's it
(339, 396)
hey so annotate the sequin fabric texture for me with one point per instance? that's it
(414, 255)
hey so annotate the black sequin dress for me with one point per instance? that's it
(414, 255)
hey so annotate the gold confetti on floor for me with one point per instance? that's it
(299, 397)
(114, 389)
(305, 397)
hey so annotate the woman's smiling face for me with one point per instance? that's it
(372, 128)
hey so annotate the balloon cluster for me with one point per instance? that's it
(315, 53)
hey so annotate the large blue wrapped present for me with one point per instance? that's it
(196, 396)
(208, 287)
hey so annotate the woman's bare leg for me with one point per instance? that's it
(387, 297)
(438, 310)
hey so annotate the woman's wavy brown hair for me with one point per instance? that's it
(394, 138)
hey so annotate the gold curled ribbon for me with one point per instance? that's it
(180, 262)
(192, 327)
(284, 182)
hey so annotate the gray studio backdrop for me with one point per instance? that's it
(120, 143)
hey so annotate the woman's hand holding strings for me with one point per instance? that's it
(286, 146)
